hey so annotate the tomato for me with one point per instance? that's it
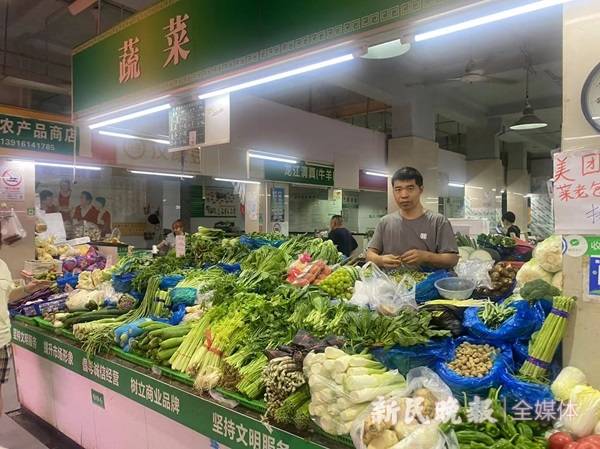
(573, 445)
(587, 445)
(592, 438)
(559, 440)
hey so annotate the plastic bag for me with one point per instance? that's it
(123, 282)
(477, 271)
(425, 290)
(475, 385)
(379, 292)
(515, 390)
(125, 332)
(526, 320)
(585, 411)
(412, 425)
(183, 295)
(11, 229)
(171, 281)
(406, 358)
(257, 242)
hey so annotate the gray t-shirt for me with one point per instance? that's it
(430, 232)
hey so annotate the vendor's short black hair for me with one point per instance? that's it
(408, 174)
(510, 217)
(88, 195)
(45, 194)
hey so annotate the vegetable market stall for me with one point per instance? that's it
(106, 402)
(299, 341)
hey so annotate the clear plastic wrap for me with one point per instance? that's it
(405, 420)
(477, 271)
(379, 292)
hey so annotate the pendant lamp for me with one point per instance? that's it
(528, 120)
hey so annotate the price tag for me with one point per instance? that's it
(180, 245)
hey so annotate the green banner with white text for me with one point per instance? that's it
(229, 427)
(21, 133)
(180, 42)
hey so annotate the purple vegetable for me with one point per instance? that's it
(69, 265)
(77, 270)
(101, 264)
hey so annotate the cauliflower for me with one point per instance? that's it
(549, 254)
(531, 271)
(557, 280)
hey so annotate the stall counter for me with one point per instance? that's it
(107, 403)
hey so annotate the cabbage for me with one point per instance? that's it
(584, 413)
(557, 280)
(564, 383)
(531, 271)
(549, 254)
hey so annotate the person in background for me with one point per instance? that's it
(169, 242)
(104, 218)
(86, 211)
(64, 200)
(9, 294)
(412, 236)
(47, 202)
(341, 237)
(508, 223)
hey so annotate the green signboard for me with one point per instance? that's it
(229, 427)
(20, 133)
(180, 42)
(301, 173)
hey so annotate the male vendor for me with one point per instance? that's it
(412, 236)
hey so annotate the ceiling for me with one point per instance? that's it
(503, 50)
(41, 34)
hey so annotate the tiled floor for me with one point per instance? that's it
(22, 430)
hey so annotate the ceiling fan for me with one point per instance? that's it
(473, 74)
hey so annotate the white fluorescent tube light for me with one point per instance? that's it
(473, 187)
(455, 184)
(130, 136)
(277, 76)
(241, 181)
(130, 116)
(78, 167)
(269, 157)
(155, 173)
(374, 173)
(132, 106)
(490, 18)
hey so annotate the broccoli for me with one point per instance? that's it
(538, 289)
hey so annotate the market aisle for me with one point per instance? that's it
(22, 430)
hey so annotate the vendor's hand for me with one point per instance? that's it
(36, 285)
(415, 257)
(389, 261)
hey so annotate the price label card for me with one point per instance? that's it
(180, 245)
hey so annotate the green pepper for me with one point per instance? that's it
(525, 430)
(468, 436)
(502, 443)
(492, 430)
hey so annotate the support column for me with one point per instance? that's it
(518, 184)
(485, 174)
(413, 144)
(581, 31)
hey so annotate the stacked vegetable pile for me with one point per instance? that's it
(285, 329)
(546, 263)
(342, 386)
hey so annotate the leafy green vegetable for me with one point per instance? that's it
(538, 289)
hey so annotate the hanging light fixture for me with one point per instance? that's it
(528, 120)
